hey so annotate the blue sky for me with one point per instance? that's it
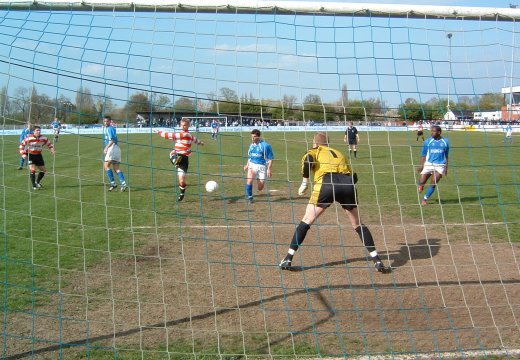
(263, 56)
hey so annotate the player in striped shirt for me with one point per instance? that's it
(31, 148)
(434, 161)
(182, 150)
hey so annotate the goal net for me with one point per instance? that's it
(167, 270)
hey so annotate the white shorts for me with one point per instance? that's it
(113, 154)
(259, 171)
(509, 133)
(56, 131)
(430, 168)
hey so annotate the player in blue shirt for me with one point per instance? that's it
(508, 134)
(25, 132)
(214, 129)
(112, 155)
(56, 127)
(434, 161)
(259, 163)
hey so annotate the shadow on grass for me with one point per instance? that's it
(422, 250)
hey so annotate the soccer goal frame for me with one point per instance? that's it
(169, 270)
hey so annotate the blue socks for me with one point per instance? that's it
(110, 176)
(121, 178)
(429, 193)
(249, 190)
(120, 175)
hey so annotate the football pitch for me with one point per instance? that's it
(137, 274)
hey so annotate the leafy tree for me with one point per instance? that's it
(86, 108)
(185, 104)
(5, 108)
(355, 111)
(103, 105)
(138, 102)
(21, 104)
(289, 107)
(250, 105)
(435, 108)
(411, 110)
(228, 102)
(42, 108)
(228, 95)
(160, 102)
(313, 109)
(491, 101)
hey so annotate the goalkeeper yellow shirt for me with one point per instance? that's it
(323, 160)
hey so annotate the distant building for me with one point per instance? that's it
(511, 109)
(487, 115)
(450, 116)
(458, 115)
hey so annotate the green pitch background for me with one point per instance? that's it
(74, 223)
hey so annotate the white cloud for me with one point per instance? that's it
(245, 48)
(93, 69)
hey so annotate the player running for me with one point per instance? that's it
(434, 161)
(25, 132)
(112, 153)
(31, 148)
(508, 137)
(420, 132)
(182, 149)
(214, 129)
(259, 163)
(56, 127)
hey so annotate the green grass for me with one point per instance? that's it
(74, 224)
(74, 220)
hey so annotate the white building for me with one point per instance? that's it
(487, 115)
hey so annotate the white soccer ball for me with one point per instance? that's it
(211, 186)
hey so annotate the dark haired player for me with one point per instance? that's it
(31, 148)
(434, 161)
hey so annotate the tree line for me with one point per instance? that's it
(88, 108)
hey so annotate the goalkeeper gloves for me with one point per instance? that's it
(303, 188)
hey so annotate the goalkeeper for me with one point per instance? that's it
(333, 181)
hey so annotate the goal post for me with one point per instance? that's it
(169, 270)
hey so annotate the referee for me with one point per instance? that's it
(352, 139)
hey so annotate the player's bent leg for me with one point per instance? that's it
(182, 184)
(368, 241)
(312, 212)
(41, 174)
(299, 235)
(249, 184)
(261, 185)
(32, 176)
